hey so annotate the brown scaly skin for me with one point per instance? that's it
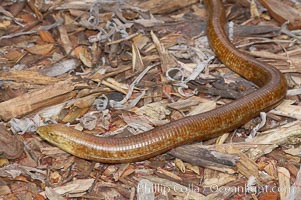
(272, 90)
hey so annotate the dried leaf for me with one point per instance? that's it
(14, 55)
(271, 169)
(155, 111)
(202, 107)
(4, 190)
(65, 39)
(129, 170)
(84, 55)
(42, 49)
(137, 60)
(140, 41)
(269, 196)
(10, 145)
(254, 9)
(286, 109)
(52, 195)
(194, 168)
(36, 5)
(167, 61)
(60, 68)
(3, 162)
(46, 36)
(75, 187)
(179, 164)
(5, 24)
(293, 151)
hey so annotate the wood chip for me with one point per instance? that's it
(282, 12)
(165, 6)
(284, 182)
(34, 100)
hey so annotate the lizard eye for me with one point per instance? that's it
(51, 134)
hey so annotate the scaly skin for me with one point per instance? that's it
(272, 90)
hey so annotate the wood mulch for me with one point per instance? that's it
(121, 67)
